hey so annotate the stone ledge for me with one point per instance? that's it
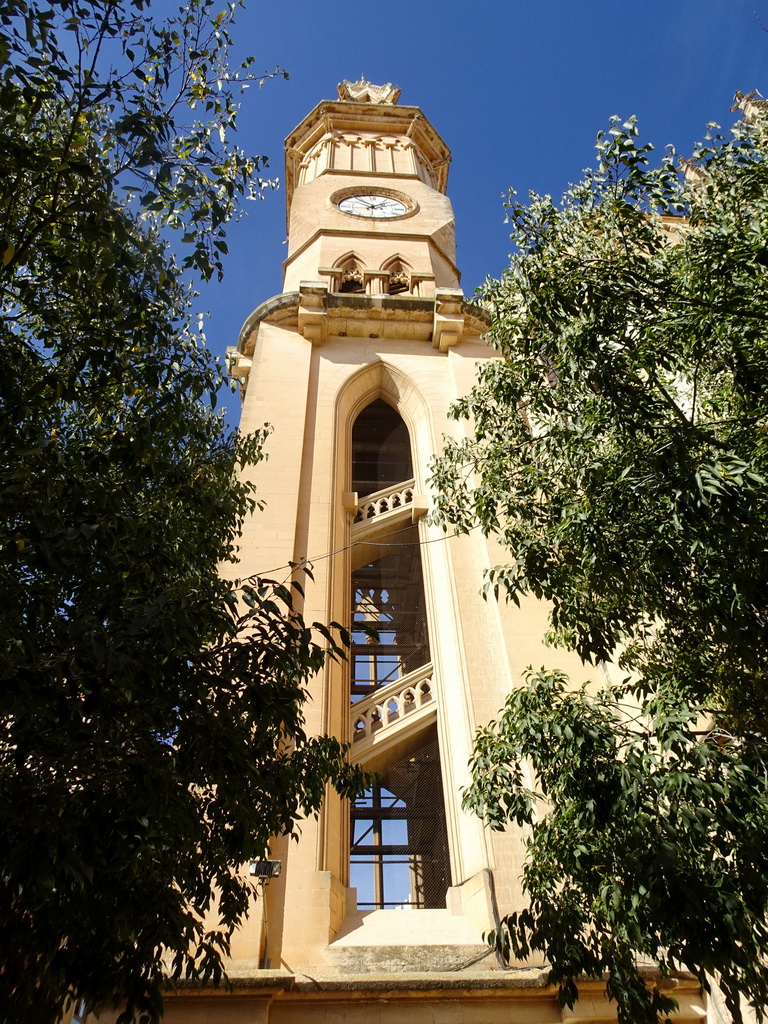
(402, 982)
(509, 980)
(339, 306)
(408, 982)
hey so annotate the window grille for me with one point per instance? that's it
(388, 597)
(399, 854)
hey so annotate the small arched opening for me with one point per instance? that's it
(397, 276)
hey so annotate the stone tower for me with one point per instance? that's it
(355, 365)
(378, 912)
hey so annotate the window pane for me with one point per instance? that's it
(388, 596)
(399, 854)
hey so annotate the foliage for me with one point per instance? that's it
(152, 729)
(620, 454)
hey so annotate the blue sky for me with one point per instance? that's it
(517, 88)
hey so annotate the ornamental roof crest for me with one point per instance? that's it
(364, 91)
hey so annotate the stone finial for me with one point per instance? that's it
(364, 91)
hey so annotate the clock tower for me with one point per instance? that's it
(355, 365)
(378, 912)
(367, 210)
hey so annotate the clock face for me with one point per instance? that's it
(372, 205)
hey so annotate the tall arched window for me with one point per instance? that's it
(381, 449)
(388, 589)
(399, 845)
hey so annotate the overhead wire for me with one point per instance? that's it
(304, 561)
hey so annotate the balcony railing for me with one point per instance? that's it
(389, 499)
(391, 704)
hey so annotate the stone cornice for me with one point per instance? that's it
(522, 983)
(318, 314)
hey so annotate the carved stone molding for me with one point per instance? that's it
(363, 91)
(449, 318)
(238, 365)
(313, 318)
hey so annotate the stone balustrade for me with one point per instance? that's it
(387, 500)
(390, 704)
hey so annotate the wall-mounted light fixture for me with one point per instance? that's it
(265, 869)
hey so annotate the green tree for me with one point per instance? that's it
(619, 450)
(152, 731)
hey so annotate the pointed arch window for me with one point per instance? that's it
(399, 853)
(387, 589)
(381, 449)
